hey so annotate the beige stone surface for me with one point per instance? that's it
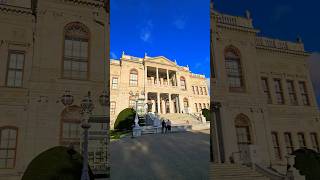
(35, 108)
(271, 59)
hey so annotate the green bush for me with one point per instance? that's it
(307, 161)
(206, 114)
(57, 163)
(125, 119)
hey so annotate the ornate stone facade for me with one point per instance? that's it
(47, 47)
(156, 79)
(267, 99)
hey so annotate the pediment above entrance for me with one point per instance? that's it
(161, 60)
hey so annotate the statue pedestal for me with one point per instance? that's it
(136, 131)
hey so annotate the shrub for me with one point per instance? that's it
(56, 163)
(206, 114)
(307, 161)
(125, 119)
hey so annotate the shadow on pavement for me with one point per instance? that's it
(176, 156)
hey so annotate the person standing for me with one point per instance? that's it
(163, 124)
(168, 125)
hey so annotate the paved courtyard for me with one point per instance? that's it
(178, 156)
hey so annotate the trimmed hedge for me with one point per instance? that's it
(206, 114)
(56, 163)
(125, 119)
(307, 161)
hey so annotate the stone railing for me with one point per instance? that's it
(234, 21)
(197, 75)
(278, 44)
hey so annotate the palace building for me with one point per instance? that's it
(47, 47)
(264, 102)
(157, 85)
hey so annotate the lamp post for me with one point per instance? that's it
(136, 96)
(87, 106)
(136, 130)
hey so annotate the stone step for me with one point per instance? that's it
(233, 172)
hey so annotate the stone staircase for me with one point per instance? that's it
(186, 119)
(182, 118)
(234, 172)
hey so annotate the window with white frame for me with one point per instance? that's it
(15, 68)
(76, 51)
(112, 107)
(8, 147)
(292, 92)
(114, 83)
(304, 93)
(276, 145)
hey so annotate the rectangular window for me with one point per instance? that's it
(112, 107)
(302, 141)
(132, 103)
(133, 79)
(234, 73)
(15, 68)
(196, 105)
(201, 91)
(304, 93)
(266, 90)
(193, 90)
(200, 106)
(276, 146)
(288, 142)
(114, 83)
(8, 148)
(75, 64)
(314, 141)
(292, 93)
(71, 130)
(205, 91)
(279, 92)
(197, 89)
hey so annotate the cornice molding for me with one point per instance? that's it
(89, 3)
(15, 10)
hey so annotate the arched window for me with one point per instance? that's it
(233, 69)
(133, 81)
(76, 51)
(70, 127)
(183, 83)
(8, 147)
(243, 129)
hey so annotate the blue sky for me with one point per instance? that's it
(282, 19)
(176, 29)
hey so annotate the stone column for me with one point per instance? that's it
(170, 103)
(163, 106)
(158, 102)
(157, 76)
(168, 78)
(181, 106)
(153, 105)
(177, 104)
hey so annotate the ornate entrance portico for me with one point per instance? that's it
(163, 103)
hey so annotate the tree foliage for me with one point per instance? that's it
(206, 113)
(57, 163)
(307, 161)
(125, 119)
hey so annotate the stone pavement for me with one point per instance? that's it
(177, 156)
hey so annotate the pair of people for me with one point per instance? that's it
(166, 126)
